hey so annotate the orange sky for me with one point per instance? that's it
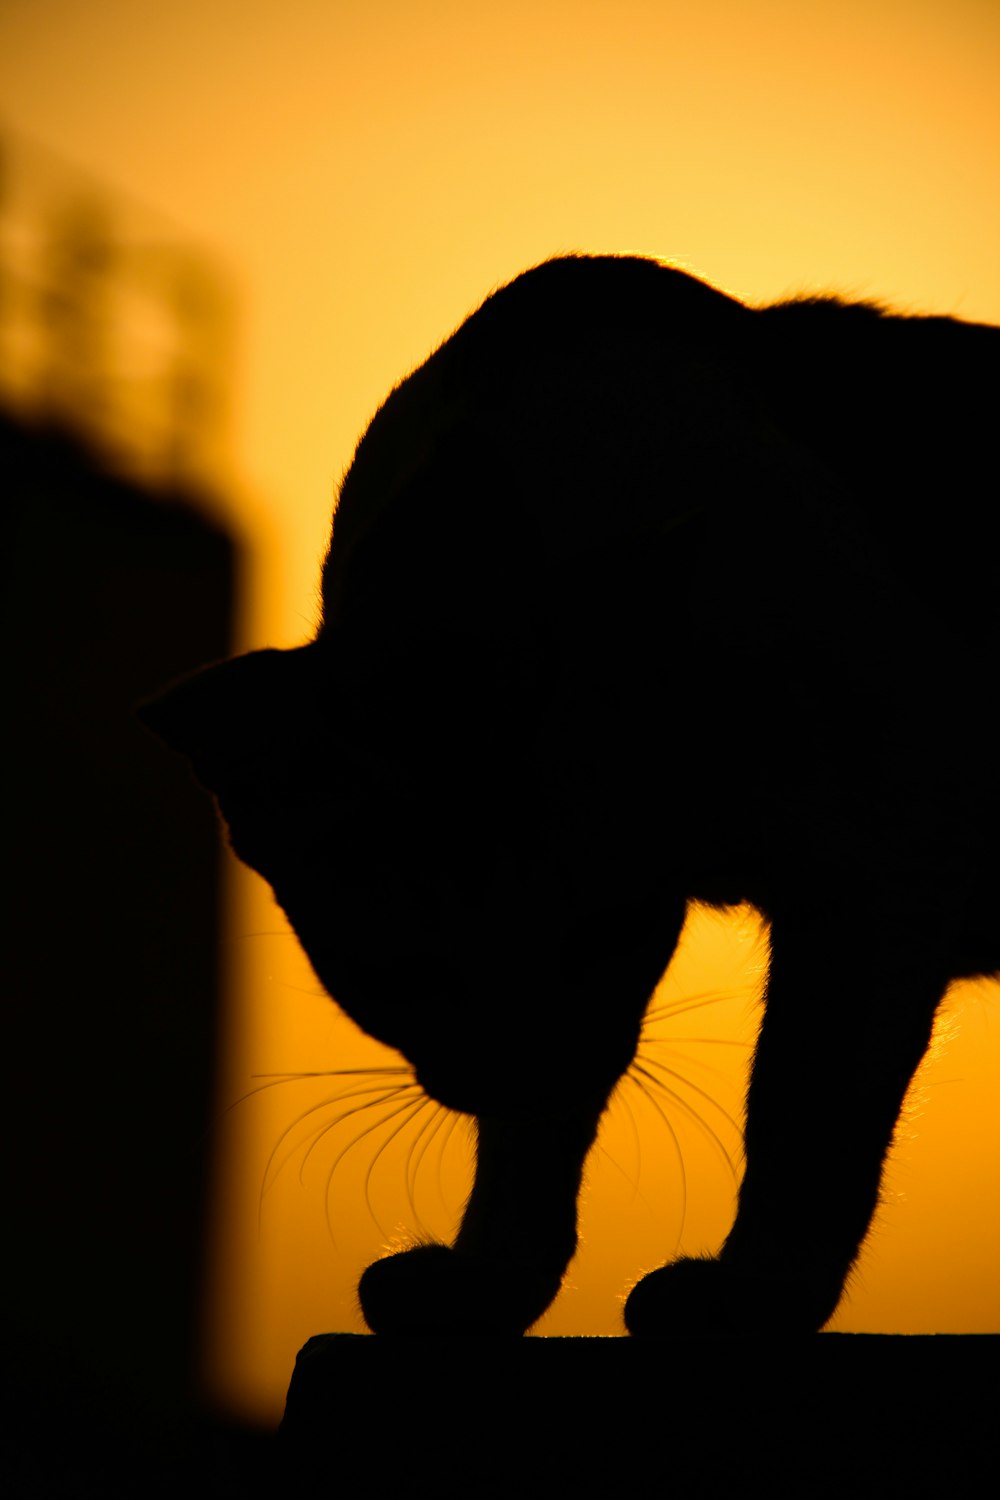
(367, 171)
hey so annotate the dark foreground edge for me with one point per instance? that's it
(849, 1414)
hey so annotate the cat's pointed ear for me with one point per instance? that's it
(169, 713)
(228, 710)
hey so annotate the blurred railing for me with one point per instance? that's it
(111, 326)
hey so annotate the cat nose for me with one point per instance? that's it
(462, 1098)
(486, 1085)
(467, 1092)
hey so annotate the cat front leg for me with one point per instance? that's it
(517, 1236)
(573, 1035)
(846, 1023)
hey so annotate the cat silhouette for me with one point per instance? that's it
(636, 597)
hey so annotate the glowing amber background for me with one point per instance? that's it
(368, 171)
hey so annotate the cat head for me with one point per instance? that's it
(418, 856)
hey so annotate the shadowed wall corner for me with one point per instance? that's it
(116, 579)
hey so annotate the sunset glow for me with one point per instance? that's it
(364, 174)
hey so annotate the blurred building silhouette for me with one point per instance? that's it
(116, 580)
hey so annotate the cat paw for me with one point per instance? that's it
(702, 1297)
(433, 1290)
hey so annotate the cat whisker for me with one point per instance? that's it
(621, 1097)
(662, 1067)
(638, 1073)
(622, 1101)
(381, 1094)
(426, 1131)
(273, 1080)
(384, 1096)
(429, 1129)
(677, 1052)
(409, 1108)
(418, 1108)
(390, 1085)
(644, 1069)
(671, 1008)
(713, 1041)
(454, 1120)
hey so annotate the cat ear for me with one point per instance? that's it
(231, 709)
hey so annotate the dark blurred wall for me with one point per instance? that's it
(111, 936)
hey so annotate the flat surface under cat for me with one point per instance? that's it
(846, 1415)
(637, 596)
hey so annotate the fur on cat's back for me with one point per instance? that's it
(637, 596)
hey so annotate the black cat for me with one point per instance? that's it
(637, 596)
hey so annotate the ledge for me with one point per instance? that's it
(829, 1414)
